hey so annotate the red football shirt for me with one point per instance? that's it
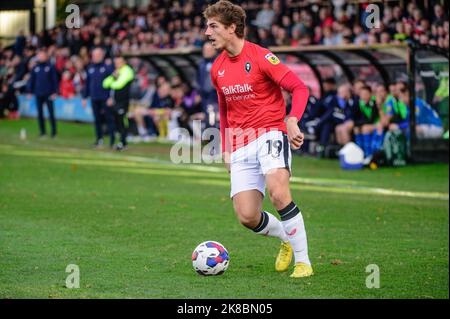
(250, 98)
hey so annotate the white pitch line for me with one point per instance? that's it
(347, 190)
(339, 186)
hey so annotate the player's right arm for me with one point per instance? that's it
(226, 153)
(280, 74)
(226, 147)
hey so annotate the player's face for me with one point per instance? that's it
(217, 33)
(365, 95)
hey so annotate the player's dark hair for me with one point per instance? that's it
(227, 14)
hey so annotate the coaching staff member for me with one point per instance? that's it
(96, 72)
(119, 83)
(43, 83)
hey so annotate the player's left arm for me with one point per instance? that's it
(286, 79)
(300, 95)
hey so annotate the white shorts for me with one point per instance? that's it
(249, 164)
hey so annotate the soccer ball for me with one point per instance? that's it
(210, 258)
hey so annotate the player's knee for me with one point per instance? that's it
(247, 218)
(248, 222)
(279, 197)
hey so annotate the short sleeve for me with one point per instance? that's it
(271, 65)
(389, 107)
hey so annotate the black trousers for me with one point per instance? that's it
(119, 111)
(40, 100)
(9, 102)
(102, 114)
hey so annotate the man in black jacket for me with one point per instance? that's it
(96, 72)
(43, 83)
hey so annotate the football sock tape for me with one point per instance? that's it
(262, 223)
(289, 211)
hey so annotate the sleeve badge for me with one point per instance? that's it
(272, 58)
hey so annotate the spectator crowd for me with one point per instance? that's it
(159, 104)
(364, 113)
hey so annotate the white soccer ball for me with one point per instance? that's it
(210, 258)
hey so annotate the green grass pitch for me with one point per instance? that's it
(131, 220)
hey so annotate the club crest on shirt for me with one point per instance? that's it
(248, 67)
(272, 58)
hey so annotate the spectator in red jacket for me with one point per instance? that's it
(66, 87)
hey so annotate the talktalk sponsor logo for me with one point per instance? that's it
(235, 89)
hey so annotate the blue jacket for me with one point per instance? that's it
(204, 83)
(425, 114)
(205, 86)
(43, 80)
(337, 110)
(95, 74)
